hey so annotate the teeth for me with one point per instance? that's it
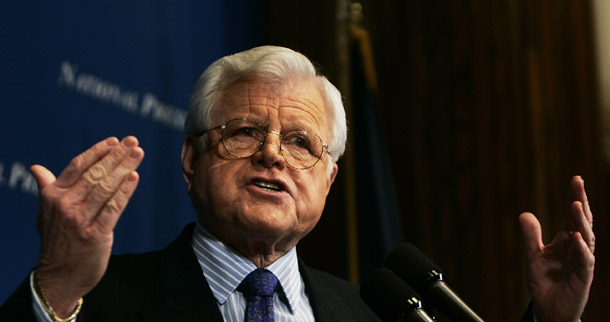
(268, 185)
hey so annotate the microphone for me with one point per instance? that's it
(391, 298)
(419, 271)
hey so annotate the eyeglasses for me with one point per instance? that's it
(243, 138)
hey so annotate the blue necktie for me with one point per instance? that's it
(258, 288)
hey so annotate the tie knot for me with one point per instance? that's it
(260, 282)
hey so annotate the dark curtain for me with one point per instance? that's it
(488, 109)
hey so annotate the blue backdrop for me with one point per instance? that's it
(74, 73)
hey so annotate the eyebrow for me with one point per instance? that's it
(285, 129)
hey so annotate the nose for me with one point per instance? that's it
(270, 153)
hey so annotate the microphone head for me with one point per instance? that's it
(387, 295)
(408, 262)
(419, 271)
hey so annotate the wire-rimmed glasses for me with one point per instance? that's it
(242, 138)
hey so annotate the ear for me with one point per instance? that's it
(333, 175)
(190, 155)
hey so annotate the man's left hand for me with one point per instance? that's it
(560, 274)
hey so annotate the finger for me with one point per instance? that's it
(113, 208)
(43, 176)
(574, 187)
(83, 161)
(578, 193)
(98, 171)
(586, 257)
(532, 234)
(107, 187)
(585, 201)
(582, 225)
(574, 194)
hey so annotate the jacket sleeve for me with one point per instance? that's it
(18, 307)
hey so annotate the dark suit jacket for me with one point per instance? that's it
(168, 285)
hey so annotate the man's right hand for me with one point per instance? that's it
(78, 212)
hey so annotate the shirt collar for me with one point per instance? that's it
(224, 268)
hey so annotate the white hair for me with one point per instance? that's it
(273, 65)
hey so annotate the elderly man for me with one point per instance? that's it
(264, 132)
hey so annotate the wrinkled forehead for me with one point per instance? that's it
(295, 105)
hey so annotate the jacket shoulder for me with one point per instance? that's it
(333, 298)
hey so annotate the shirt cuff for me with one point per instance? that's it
(39, 312)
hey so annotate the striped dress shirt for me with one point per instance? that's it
(224, 269)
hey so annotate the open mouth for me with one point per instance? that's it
(268, 186)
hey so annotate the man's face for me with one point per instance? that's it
(229, 193)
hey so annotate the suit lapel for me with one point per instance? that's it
(326, 304)
(186, 295)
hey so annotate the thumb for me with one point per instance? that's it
(43, 176)
(532, 233)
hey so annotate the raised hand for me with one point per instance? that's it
(560, 274)
(78, 212)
